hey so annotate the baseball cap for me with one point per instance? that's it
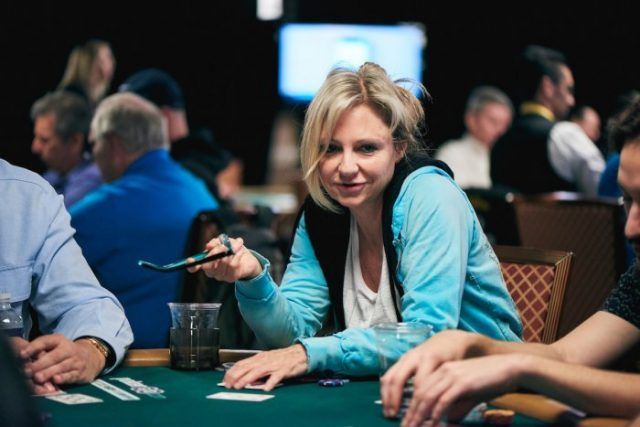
(156, 86)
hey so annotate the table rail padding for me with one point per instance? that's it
(549, 410)
(160, 356)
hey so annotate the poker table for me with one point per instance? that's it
(183, 401)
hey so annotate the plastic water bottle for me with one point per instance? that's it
(10, 321)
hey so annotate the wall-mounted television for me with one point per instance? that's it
(307, 52)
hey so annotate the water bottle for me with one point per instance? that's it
(10, 321)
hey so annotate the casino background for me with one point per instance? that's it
(226, 60)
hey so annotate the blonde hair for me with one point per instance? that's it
(344, 89)
(80, 66)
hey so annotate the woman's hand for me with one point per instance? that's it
(467, 381)
(275, 365)
(242, 265)
(449, 345)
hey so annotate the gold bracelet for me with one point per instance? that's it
(101, 347)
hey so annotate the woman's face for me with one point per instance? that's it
(360, 160)
(105, 64)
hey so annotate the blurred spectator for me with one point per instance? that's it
(194, 150)
(61, 123)
(588, 119)
(284, 154)
(89, 71)
(487, 116)
(538, 155)
(144, 211)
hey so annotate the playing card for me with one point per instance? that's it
(255, 386)
(73, 398)
(245, 397)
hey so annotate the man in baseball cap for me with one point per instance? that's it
(194, 150)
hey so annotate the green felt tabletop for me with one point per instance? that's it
(185, 404)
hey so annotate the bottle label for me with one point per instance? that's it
(12, 332)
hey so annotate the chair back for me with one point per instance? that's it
(536, 280)
(590, 228)
(234, 332)
(494, 209)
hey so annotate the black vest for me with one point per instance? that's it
(519, 159)
(329, 235)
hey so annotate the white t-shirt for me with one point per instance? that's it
(362, 306)
(470, 161)
(575, 157)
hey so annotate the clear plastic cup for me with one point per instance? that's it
(194, 339)
(395, 339)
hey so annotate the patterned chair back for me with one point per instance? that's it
(590, 228)
(536, 280)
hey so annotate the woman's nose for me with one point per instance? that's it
(348, 165)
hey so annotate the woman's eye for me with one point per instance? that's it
(331, 148)
(368, 148)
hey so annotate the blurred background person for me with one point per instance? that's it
(588, 119)
(60, 127)
(89, 71)
(487, 116)
(284, 159)
(195, 149)
(144, 211)
(538, 154)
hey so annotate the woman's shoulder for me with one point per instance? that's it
(430, 192)
(430, 181)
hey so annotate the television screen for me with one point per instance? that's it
(307, 52)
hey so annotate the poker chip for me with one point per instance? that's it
(498, 417)
(332, 382)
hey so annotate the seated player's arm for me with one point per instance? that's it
(595, 391)
(592, 343)
(599, 340)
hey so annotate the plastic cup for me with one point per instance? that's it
(194, 338)
(395, 339)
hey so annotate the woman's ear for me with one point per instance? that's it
(400, 150)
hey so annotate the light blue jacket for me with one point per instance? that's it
(449, 272)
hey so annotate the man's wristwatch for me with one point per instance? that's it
(103, 348)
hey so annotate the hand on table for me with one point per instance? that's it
(54, 359)
(275, 364)
(466, 382)
(241, 265)
(446, 346)
(18, 344)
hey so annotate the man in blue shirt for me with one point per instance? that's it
(60, 126)
(144, 211)
(41, 266)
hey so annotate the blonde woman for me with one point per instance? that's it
(386, 235)
(89, 71)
